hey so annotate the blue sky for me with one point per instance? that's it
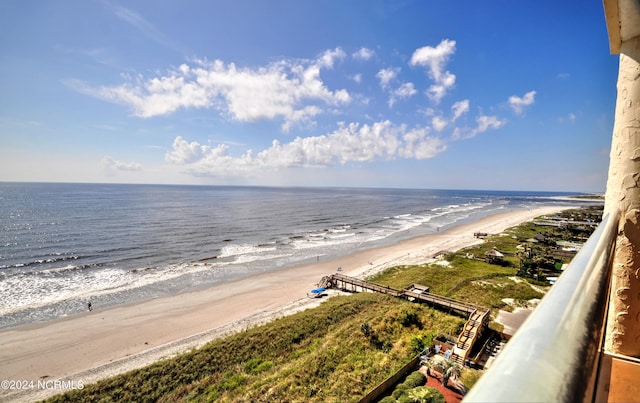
(504, 95)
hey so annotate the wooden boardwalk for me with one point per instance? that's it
(342, 282)
(415, 292)
(477, 316)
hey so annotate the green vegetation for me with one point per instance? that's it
(336, 352)
(466, 276)
(424, 394)
(469, 377)
(441, 279)
(415, 379)
(413, 390)
(465, 279)
(450, 369)
(344, 348)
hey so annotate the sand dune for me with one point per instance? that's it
(91, 346)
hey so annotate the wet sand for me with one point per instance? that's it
(101, 343)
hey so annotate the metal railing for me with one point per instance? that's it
(555, 355)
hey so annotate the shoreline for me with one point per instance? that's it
(95, 345)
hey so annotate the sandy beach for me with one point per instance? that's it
(104, 342)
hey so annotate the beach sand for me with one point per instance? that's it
(91, 346)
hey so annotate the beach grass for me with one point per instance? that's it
(464, 274)
(465, 279)
(337, 351)
(320, 354)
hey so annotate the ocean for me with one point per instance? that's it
(65, 245)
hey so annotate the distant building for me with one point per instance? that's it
(493, 256)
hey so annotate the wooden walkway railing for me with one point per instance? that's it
(340, 281)
(470, 333)
(347, 283)
(477, 315)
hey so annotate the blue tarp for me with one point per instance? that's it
(318, 290)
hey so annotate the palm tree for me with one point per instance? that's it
(451, 369)
(430, 365)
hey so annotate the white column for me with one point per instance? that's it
(623, 193)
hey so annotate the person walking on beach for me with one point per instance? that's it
(89, 306)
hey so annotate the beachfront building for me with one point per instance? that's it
(493, 256)
(582, 343)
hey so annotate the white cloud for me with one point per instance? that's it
(420, 146)
(363, 54)
(357, 78)
(329, 57)
(292, 91)
(571, 117)
(483, 123)
(349, 143)
(460, 108)
(386, 75)
(489, 122)
(301, 115)
(519, 103)
(437, 91)
(436, 59)
(112, 165)
(185, 153)
(429, 112)
(406, 90)
(439, 123)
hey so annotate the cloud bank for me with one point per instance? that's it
(289, 90)
(112, 165)
(349, 143)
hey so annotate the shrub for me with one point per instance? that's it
(257, 365)
(417, 344)
(366, 329)
(409, 317)
(415, 379)
(405, 398)
(425, 394)
(399, 390)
